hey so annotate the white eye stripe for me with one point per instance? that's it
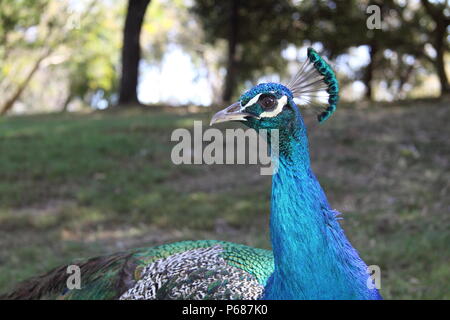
(252, 101)
(273, 113)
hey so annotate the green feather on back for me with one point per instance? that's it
(108, 277)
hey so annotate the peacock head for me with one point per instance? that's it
(272, 105)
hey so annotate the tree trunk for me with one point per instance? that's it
(440, 34)
(11, 101)
(131, 51)
(439, 43)
(368, 77)
(66, 103)
(230, 79)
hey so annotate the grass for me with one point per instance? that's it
(78, 185)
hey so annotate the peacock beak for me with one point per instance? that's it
(231, 113)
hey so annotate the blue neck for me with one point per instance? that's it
(313, 258)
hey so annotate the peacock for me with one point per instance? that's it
(311, 257)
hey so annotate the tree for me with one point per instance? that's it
(394, 49)
(30, 32)
(131, 51)
(11, 19)
(256, 32)
(441, 19)
(230, 80)
(339, 25)
(91, 70)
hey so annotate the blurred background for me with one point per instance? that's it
(90, 92)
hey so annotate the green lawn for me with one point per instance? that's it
(77, 185)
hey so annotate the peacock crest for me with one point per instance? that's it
(316, 84)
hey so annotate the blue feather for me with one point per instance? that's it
(312, 256)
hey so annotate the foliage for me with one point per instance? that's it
(169, 25)
(397, 49)
(14, 20)
(92, 69)
(53, 53)
(265, 28)
(77, 45)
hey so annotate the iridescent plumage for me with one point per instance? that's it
(234, 271)
(311, 257)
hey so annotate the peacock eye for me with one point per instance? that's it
(268, 102)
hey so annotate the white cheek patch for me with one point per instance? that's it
(273, 113)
